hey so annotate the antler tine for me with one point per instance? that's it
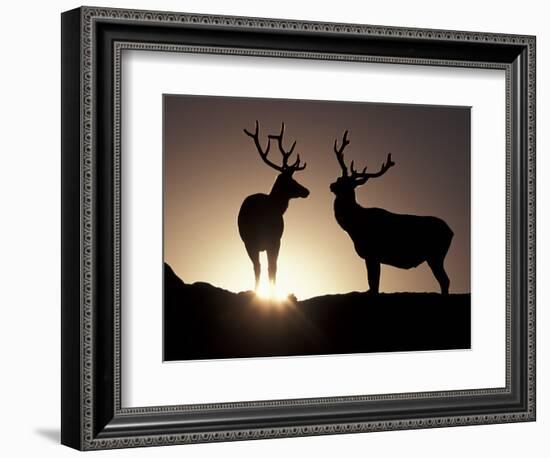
(263, 154)
(340, 154)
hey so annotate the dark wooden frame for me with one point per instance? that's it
(92, 40)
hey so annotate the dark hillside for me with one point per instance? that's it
(205, 322)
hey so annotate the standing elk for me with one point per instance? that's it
(260, 218)
(382, 237)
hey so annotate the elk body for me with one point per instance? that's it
(382, 237)
(260, 219)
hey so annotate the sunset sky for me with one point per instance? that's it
(211, 166)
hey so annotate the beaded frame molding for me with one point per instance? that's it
(92, 43)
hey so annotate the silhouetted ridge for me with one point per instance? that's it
(171, 280)
(202, 321)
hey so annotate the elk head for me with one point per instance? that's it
(345, 184)
(285, 185)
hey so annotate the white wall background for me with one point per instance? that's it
(30, 240)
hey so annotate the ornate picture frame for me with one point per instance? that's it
(93, 416)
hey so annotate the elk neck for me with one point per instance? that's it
(279, 198)
(345, 207)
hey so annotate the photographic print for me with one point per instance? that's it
(310, 227)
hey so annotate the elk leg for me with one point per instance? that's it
(272, 255)
(373, 274)
(440, 275)
(254, 256)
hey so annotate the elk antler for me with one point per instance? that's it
(340, 153)
(285, 167)
(363, 176)
(263, 154)
(286, 154)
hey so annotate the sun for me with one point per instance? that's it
(271, 293)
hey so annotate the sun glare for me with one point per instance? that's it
(274, 294)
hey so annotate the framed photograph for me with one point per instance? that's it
(276, 228)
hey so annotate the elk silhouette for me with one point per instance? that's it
(382, 237)
(260, 218)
